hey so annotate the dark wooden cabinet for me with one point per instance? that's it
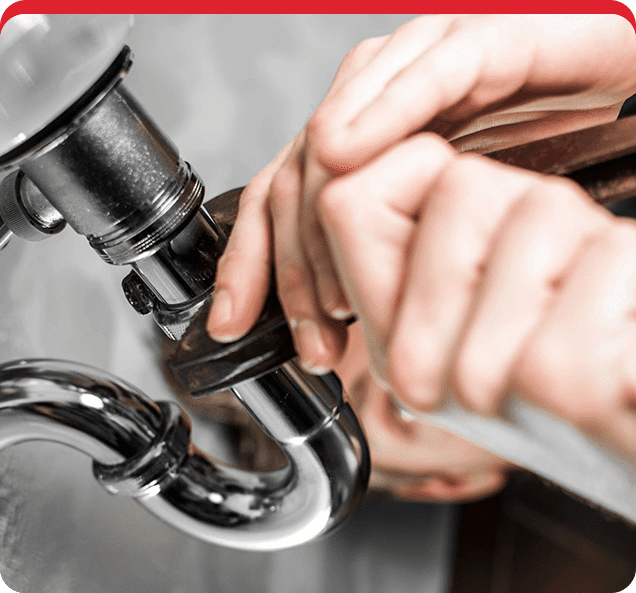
(534, 538)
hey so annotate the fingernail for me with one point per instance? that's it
(310, 345)
(341, 314)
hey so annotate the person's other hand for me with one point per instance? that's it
(483, 82)
(413, 460)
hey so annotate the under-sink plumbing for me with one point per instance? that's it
(104, 168)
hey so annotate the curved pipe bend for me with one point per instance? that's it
(143, 449)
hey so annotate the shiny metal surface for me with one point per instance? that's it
(46, 63)
(26, 211)
(104, 167)
(5, 234)
(178, 279)
(185, 267)
(142, 449)
(60, 531)
(291, 404)
(119, 181)
(46, 217)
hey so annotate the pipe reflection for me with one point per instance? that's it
(142, 449)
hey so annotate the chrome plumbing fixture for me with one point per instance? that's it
(103, 167)
(142, 449)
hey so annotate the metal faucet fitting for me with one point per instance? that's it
(107, 170)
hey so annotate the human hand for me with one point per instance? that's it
(413, 460)
(484, 82)
(508, 282)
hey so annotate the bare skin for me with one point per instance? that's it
(470, 279)
(413, 460)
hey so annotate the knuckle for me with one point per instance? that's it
(549, 195)
(535, 204)
(616, 239)
(251, 193)
(322, 139)
(431, 143)
(451, 190)
(459, 172)
(230, 260)
(563, 184)
(563, 193)
(361, 53)
(256, 190)
(470, 162)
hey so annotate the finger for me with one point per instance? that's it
(450, 248)
(348, 96)
(579, 362)
(355, 61)
(328, 128)
(487, 63)
(318, 341)
(421, 461)
(409, 455)
(243, 271)
(529, 260)
(368, 217)
(329, 293)
(452, 486)
(454, 70)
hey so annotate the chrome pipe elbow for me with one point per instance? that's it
(143, 449)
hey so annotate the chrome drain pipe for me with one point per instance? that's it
(142, 449)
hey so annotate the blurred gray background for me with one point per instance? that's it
(231, 91)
